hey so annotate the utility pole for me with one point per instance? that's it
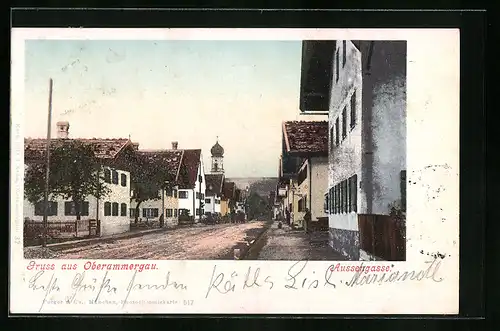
(47, 169)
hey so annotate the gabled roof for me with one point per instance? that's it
(214, 184)
(229, 190)
(105, 148)
(189, 168)
(306, 138)
(168, 160)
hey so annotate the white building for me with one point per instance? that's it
(192, 184)
(110, 211)
(168, 162)
(213, 195)
(305, 145)
(364, 94)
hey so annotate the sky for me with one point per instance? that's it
(161, 91)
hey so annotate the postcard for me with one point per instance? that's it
(235, 171)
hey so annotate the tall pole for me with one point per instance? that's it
(47, 169)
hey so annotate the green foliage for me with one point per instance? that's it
(256, 205)
(74, 174)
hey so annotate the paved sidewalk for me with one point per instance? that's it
(288, 244)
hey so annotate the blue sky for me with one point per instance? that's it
(163, 91)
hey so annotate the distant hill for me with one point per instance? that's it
(260, 185)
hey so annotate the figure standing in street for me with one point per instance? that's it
(307, 220)
(287, 215)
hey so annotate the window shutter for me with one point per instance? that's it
(403, 190)
(123, 179)
(107, 208)
(354, 199)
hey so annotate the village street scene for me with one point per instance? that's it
(205, 150)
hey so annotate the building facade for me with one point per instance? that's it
(213, 195)
(111, 210)
(192, 186)
(365, 90)
(168, 163)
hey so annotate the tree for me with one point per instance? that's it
(148, 179)
(75, 173)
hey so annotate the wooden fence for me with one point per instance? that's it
(382, 236)
(62, 229)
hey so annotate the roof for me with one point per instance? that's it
(229, 189)
(189, 168)
(105, 148)
(167, 160)
(217, 150)
(306, 137)
(214, 184)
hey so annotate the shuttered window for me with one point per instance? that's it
(107, 209)
(403, 190)
(114, 209)
(70, 210)
(123, 209)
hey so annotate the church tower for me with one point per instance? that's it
(217, 158)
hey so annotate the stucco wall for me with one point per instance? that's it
(319, 182)
(345, 158)
(170, 202)
(109, 224)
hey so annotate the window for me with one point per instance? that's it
(149, 212)
(39, 208)
(325, 204)
(207, 200)
(123, 179)
(344, 52)
(107, 175)
(337, 197)
(168, 193)
(403, 189)
(337, 69)
(202, 196)
(354, 193)
(349, 195)
(200, 178)
(330, 203)
(169, 212)
(344, 123)
(107, 209)
(197, 211)
(132, 212)
(346, 197)
(197, 195)
(123, 209)
(175, 212)
(114, 177)
(353, 110)
(217, 201)
(337, 138)
(70, 210)
(174, 192)
(331, 139)
(302, 175)
(114, 209)
(183, 194)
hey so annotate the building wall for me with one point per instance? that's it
(224, 207)
(319, 183)
(209, 206)
(386, 85)
(109, 224)
(187, 203)
(200, 187)
(375, 149)
(170, 202)
(345, 158)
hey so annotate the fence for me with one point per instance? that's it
(61, 229)
(382, 236)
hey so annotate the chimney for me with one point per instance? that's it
(174, 144)
(62, 129)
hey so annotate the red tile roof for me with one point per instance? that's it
(189, 168)
(305, 137)
(167, 160)
(214, 184)
(107, 148)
